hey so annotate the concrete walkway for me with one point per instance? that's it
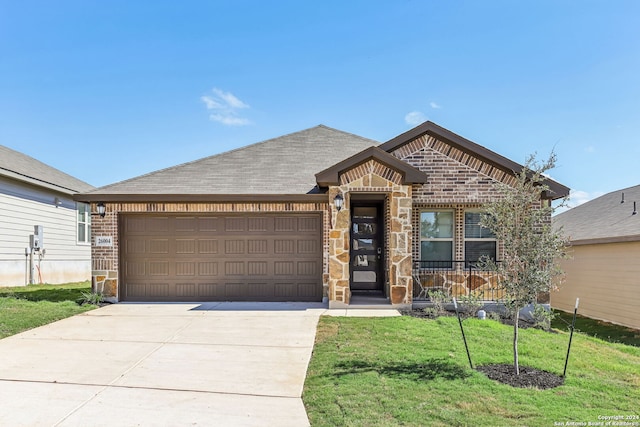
(236, 364)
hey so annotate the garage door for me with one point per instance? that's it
(264, 257)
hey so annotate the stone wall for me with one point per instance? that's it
(484, 285)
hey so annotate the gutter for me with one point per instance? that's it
(603, 240)
(201, 198)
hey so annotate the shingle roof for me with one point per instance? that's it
(19, 166)
(283, 165)
(604, 219)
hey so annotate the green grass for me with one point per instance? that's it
(413, 372)
(27, 307)
(597, 328)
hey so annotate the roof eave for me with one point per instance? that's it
(36, 182)
(198, 198)
(603, 240)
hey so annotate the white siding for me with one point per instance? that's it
(21, 208)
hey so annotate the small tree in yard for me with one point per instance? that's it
(521, 219)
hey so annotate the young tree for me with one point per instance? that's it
(520, 218)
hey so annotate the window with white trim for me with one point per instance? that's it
(84, 222)
(478, 241)
(436, 238)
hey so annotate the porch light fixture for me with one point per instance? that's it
(102, 209)
(338, 202)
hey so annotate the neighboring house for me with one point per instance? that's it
(604, 269)
(315, 215)
(35, 194)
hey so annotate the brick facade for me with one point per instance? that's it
(105, 260)
(456, 181)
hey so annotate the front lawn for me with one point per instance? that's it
(27, 307)
(414, 372)
(597, 328)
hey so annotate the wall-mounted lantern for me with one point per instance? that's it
(102, 209)
(338, 202)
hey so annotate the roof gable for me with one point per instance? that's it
(331, 176)
(557, 190)
(19, 166)
(279, 166)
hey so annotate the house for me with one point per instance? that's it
(603, 270)
(316, 215)
(35, 194)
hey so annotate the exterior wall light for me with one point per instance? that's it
(102, 209)
(338, 202)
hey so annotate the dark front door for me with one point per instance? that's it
(367, 241)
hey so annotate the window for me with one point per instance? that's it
(84, 223)
(436, 239)
(478, 241)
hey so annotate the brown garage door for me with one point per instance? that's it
(256, 257)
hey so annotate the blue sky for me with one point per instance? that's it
(109, 90)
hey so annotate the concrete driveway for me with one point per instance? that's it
(162, 364)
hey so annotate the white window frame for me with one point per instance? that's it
(474, 239)
(86, 224)
(451, 239)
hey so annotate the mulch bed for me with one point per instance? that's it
(529, 377)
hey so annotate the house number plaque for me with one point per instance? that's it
(105, 241)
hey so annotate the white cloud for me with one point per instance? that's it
(434, 105)
(578, 197)
(210, 103)
(230, 99)
(225, 106)
(229, 120)
(414, 118)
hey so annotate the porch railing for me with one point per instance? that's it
(455, 279)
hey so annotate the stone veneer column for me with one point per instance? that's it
(399, 231)
(400, 262)
(339, 244)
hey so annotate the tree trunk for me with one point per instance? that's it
(516, 365)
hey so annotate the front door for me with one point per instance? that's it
(367, 247)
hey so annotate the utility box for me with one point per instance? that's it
(37, 240)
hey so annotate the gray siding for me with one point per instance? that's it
(21, 207)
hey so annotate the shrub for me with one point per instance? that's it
(93, 298)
